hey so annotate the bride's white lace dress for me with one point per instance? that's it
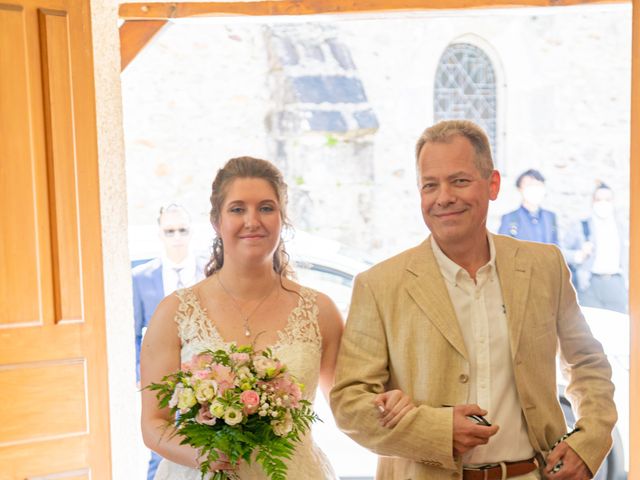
(299, 346)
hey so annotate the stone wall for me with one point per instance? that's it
(205, 91)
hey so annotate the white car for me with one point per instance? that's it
(612, 331)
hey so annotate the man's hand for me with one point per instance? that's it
(467, 434)
(573, 468)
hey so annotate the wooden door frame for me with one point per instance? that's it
(148, 13)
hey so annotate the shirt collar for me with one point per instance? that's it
(451, 270)
(188, 263)
(531, 214)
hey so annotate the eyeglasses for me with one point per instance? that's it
(170, 232)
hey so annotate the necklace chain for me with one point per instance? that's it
(245, 317)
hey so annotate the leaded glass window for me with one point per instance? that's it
(465, 87)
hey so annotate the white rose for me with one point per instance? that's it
(284, 426)
(232, 416)
(206, 390)
(217, 409)
(186, 400)
(176, 393)
(263, 364)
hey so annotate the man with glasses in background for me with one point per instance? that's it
(177, 268)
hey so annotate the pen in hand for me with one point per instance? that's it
(479, 419)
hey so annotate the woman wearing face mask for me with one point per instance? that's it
(530, 221)
(602, 256)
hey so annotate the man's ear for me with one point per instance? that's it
(494, 185)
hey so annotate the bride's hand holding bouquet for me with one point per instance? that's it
(235, 406)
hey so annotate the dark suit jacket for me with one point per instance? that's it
(148, 290)
(147, 293)
(518, 224)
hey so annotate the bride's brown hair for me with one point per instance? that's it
(247, 167)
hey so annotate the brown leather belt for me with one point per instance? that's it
(494, 470)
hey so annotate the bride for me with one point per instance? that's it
(248, 297)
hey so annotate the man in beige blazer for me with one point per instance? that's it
(469, 323)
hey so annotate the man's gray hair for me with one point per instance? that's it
(444, 131)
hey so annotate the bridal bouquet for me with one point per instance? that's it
(237, 405)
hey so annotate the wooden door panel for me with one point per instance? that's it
(45, 412)
(71, 475)
(20, 272)
(36, 344)
(61, 162)
(54, 419)
(74, 475)
(46, 460)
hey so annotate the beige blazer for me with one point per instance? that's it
(402, 332)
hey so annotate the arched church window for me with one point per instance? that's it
(465, 87)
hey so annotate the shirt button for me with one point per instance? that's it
(463, 378)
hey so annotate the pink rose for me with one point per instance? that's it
(198, 362)
(285, 386)
(239, 358)
(250, 399)
(202, 374)
(204, 416)
(224, 376)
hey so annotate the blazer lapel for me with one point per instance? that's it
(514, 272)
(428, 290)
(157, 281)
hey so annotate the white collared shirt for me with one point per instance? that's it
(480, 309)
(188, 273)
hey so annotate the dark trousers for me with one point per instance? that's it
(606, 291)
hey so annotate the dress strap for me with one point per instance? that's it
(303, 324)
(192, 321)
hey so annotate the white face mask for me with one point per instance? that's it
(533, 194)
(603, 208)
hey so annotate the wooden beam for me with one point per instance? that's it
(312, 7)
(134, 35)
(634, 252)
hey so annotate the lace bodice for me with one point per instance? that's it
(299, 346)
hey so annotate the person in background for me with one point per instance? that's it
(176, 268)
(596, 248)
(530, 221)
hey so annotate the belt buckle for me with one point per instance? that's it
(484, 469)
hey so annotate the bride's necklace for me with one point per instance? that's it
(245, 317)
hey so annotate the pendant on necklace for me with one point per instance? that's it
(247, 330)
